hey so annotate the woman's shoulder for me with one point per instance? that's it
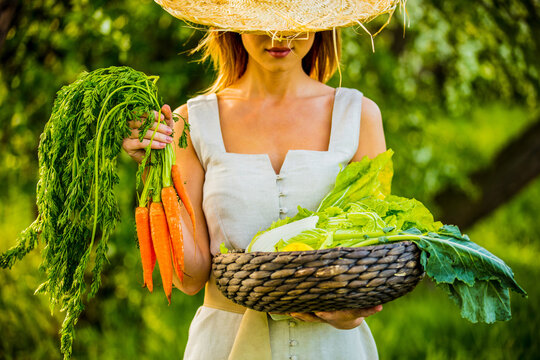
(370, 110)
(182, 110)
(371, 138)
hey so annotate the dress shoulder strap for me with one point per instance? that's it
(346, 117)
(205, 130)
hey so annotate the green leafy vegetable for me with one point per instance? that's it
(473, 277)
(223, 249)
(77, 207)
(360, 180)
(360, 211)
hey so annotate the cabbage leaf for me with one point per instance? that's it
(474, 278)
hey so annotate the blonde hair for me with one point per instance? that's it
(229, 57)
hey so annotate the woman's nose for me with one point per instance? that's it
(280, 37)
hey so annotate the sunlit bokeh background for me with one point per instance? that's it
(457, 91)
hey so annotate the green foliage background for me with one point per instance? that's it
(462, 83)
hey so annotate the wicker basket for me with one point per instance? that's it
(319, 280)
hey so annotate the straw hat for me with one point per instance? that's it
(278, 16)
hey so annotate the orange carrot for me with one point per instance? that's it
(148, 256)
(162, 245)
(181, 190)
(172, 211)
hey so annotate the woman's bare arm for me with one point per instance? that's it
(196, 250)
(371, 142)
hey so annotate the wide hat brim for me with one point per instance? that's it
(278, 16)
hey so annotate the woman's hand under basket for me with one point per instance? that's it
(340, 319)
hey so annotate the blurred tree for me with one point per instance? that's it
(8, 9)
(455, 57)
(453, 53)
(514, 167)
(50, 42)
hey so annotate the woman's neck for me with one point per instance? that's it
(258, 82)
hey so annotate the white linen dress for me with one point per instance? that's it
(242, 194)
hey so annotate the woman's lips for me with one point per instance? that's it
(279, 52)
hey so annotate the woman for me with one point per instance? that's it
(269, 135)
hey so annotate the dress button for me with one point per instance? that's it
(281, 193)
(283, 210)
(293, 342)
(293, 357)
(292, 323)
(279, 177)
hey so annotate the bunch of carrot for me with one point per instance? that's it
(157, 218)
(76, 198)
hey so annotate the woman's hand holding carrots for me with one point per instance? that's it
(158, 216)
(163, 136)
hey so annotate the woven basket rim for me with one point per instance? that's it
(368, 248)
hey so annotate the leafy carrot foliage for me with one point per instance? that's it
(77, 207)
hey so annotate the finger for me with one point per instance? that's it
(342, 319)
(309, 317)
(348, 315)
(368, 311)
(134, 134)
(166, 110)
(135, 144)
(165, 126)
(135, 124)
(150, 134)
(305, 317)
(159, 115)
(162, 128)
(158, 137)
(329, 316)
(163, 134)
